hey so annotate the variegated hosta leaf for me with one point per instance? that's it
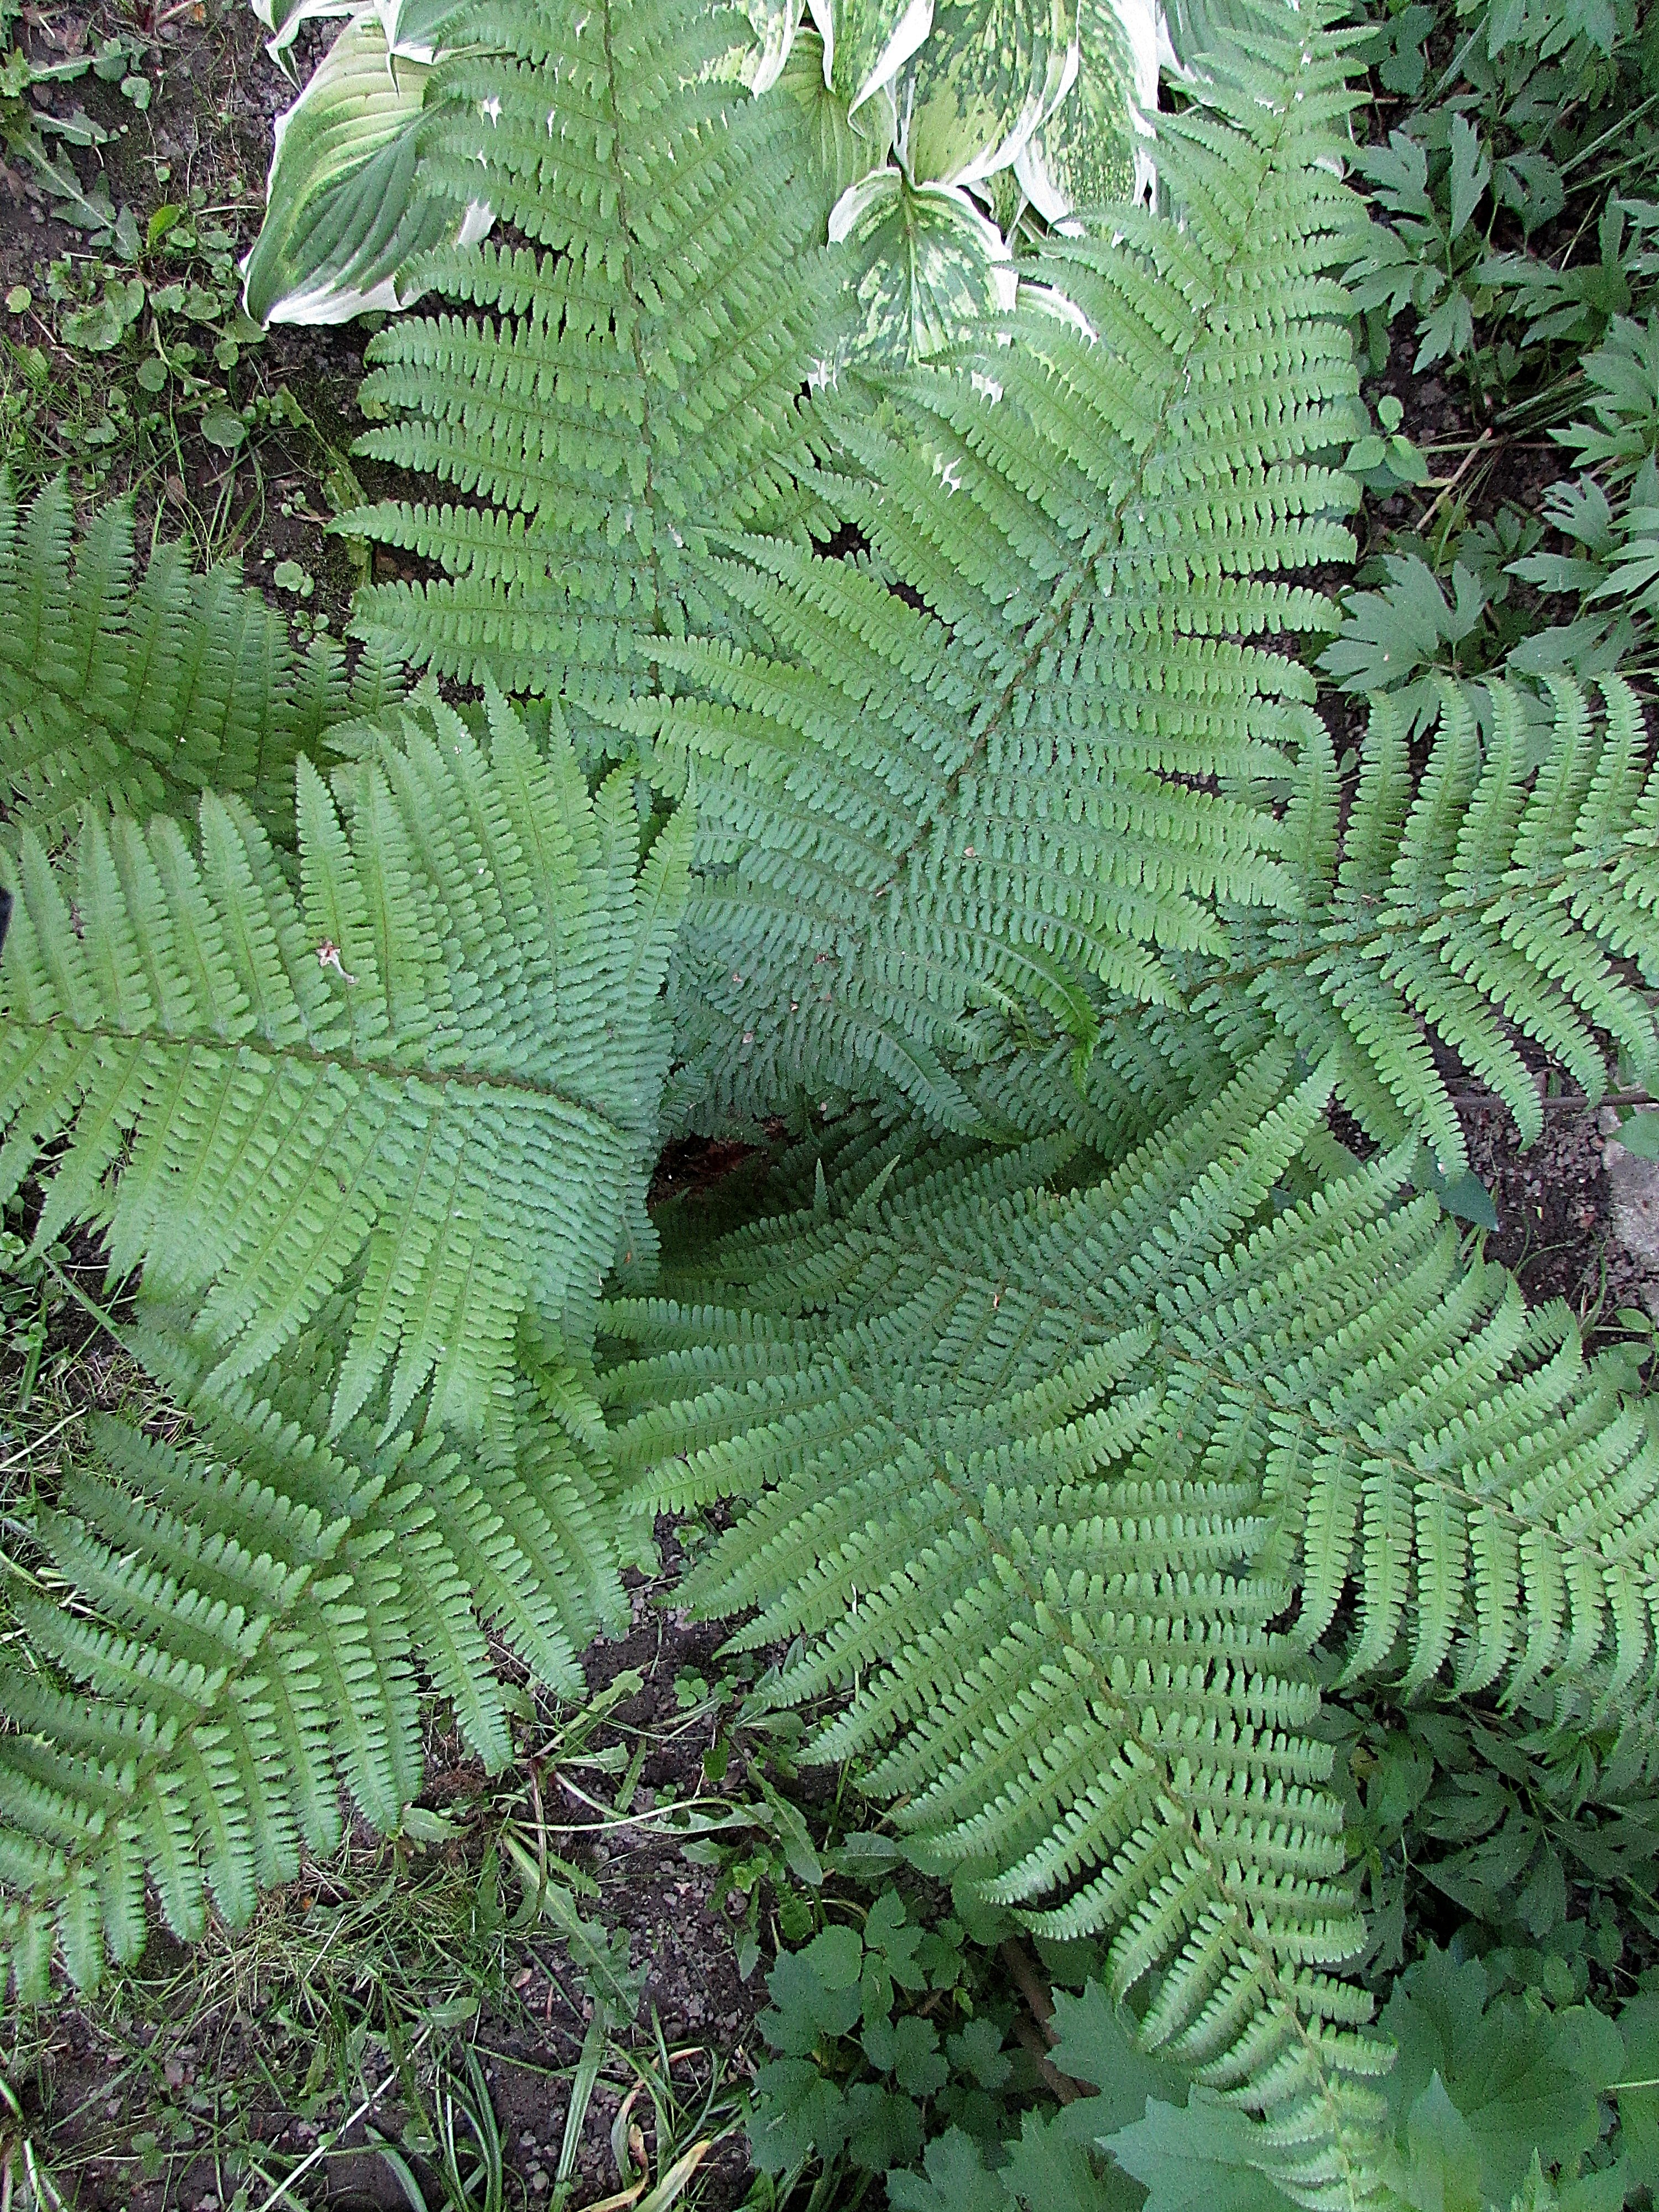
(1189, 31)
(931, 264)
(421, 30)
(846, 146)
(988, 73)
(776, 23)
(1085, 153)
(283, 19)
(344, 211)
(868, 42)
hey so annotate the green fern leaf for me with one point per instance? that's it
(634, 376)
(1032, 1454)
(1502, 891)
(1017, 755)
(143, 697)
(440, 1059)
(243, 1615)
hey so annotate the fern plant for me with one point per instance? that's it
(145, 694)
(432, 1072)
(1032, 1455)
(917, 745)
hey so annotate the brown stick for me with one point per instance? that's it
(1042, 2038)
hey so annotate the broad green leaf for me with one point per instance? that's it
(1083, 154)
(775, 24)
(1097, 2046)
(1638, 2103)
(1049, 2171)
(1639, 1133)
(420, 30)
(1440, 2170)
(283, 19)
(930, 262)
(1523, 2081)
(796, 2112)
(988, 73)
(1191, 32)
(956, 2180)
(1201, 2156)
(843, 148)
(868, 42)
(343, 211)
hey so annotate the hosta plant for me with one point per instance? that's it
(931, 128)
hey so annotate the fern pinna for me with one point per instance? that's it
(143, 696)
(1034, 1451)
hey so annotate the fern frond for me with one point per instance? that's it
(142, 695)
(245, 1614)
(1025, 747)
(633, 376)
(1034, 1455)
(1503, 891)
(440, 1059)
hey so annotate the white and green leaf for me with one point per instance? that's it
(1084, 151)
(868, 42)
(985, 79)
(283, 19)
(844, 147)
(931, 264)
(346, 208)
(776, 23)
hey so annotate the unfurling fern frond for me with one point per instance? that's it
(635, 375)
(244, 1612)
(1024, 745)
(143, 696)
(441, 1059)
(1034, 1454)
(1502, 890)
